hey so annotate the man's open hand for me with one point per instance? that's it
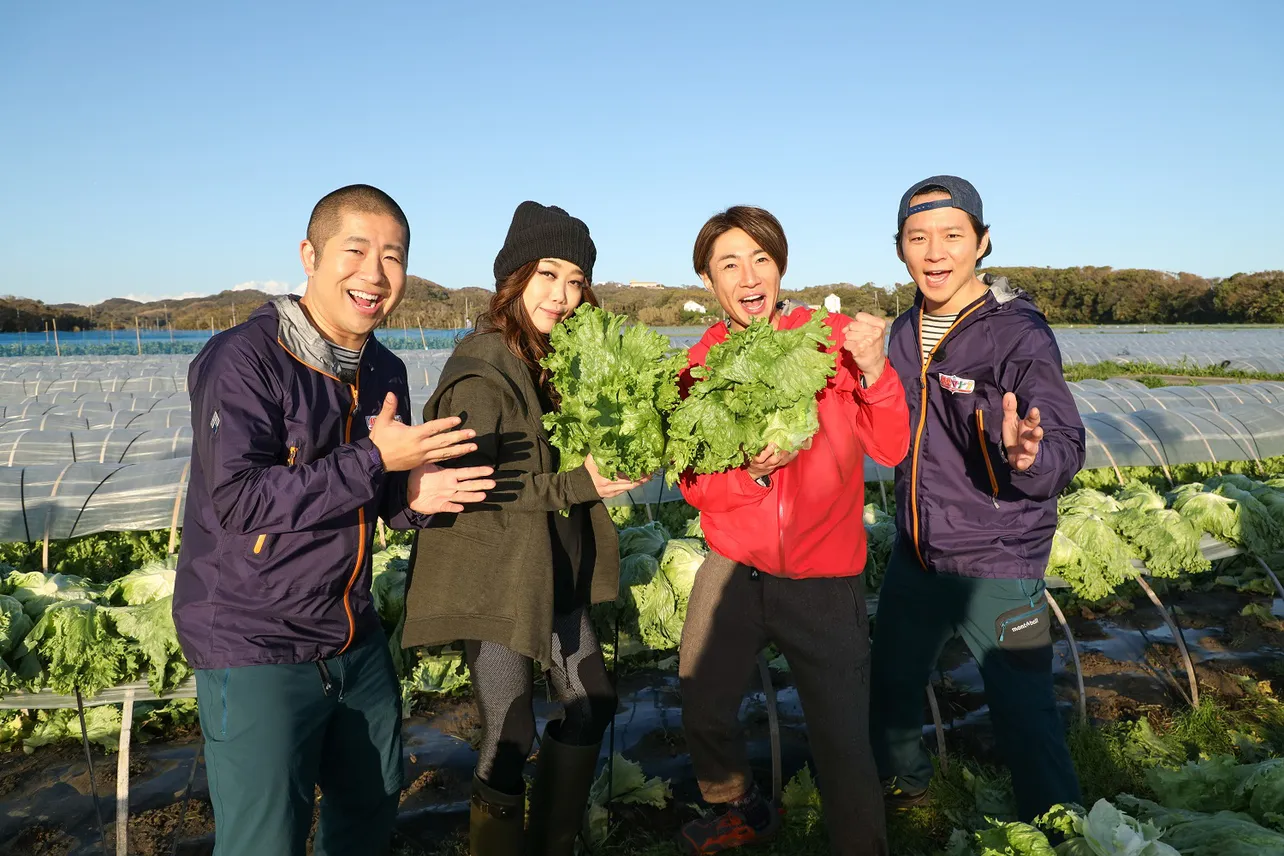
(433, 489)
(404, 447)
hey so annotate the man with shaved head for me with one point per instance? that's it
(301, 439)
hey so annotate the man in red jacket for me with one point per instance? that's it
(787, 551)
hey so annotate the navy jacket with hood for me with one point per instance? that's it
(960, 507)
(285, 490)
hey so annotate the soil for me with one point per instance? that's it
(20, 772)
(40, 841)
(1129, 667)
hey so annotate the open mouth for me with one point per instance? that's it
(937, 277)
(366, 302)
(754, 304)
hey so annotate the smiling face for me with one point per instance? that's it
(357, 278)
(552, 293)
(940, 249)
(743, 277)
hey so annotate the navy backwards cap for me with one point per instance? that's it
(963, 196)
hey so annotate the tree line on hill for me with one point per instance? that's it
(1083, 295)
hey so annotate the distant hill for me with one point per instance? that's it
(1081, 295)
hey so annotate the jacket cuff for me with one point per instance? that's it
(1033, 470)
(887, 385)
(581, 486)
(748, 484)
(369, 454)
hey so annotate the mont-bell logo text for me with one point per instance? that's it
(963, 385)
(1028, 624)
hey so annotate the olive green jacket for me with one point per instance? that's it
(487, 573)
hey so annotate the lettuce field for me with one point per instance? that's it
(1158, 772)
(1169, 661)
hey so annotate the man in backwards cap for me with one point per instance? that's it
(994, 437)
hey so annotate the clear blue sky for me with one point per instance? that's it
(163, 148)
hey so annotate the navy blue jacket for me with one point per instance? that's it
(285, 490)
(960, 507)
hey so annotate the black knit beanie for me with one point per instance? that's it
(545, 232)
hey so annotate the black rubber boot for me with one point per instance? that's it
(563, 777)
(495, 823)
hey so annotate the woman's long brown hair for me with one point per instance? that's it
(507, 316)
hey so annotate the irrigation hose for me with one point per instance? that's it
(93, 784)
(187, 798)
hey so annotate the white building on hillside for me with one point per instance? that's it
(639, 284)
(692, 306)
(833, 303)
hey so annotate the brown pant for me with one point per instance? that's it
(822, 628)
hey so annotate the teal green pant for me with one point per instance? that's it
(273, 734)
(1006, 626)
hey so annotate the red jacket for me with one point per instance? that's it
(808, 522)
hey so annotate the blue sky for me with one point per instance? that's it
(163, 149)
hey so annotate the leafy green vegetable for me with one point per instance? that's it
(800, 799)
(1230, 514)
(1140, 496)
(1011, 839)
(1087, 501)
(388, 570)
(435, 673)
(1109, 831)
(623, 782)
(1273, 501)
(102, 724)
(150, 626)
(15, 624)
(159, 720)
(36, 590)
(652, 605)
(154, 581)
(616, 386)
(1262, 535)
(681, 559)
(14, 725)
(648, 539)
(388, 584)
(1164, 540)
(760, 386)
(77, 647)
(1194, 833)
(1100, 560)
(98, 558)
(880, 538)
(638, 570)
(655, 604)
(1221, 783)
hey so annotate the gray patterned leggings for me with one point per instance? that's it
(503, 681)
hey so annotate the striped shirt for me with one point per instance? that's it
(934, 327)
(348, 360)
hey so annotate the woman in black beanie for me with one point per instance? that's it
(513, 577)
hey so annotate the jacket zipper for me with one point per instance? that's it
(922, 421)
(258, 545)
(780, 520)
(361, 528)
(985, 453)
(355, 389)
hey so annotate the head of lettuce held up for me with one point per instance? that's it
(616, 385)
(756, 389)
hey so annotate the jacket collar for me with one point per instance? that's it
(999, 289)
(300, 337)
